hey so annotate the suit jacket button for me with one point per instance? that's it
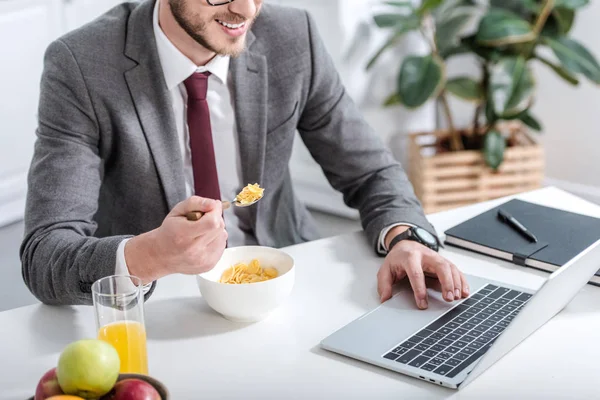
(85, 287)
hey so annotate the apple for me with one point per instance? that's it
(133, 389)
(88, 368)
(47, 386)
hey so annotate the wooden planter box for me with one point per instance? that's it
(452, 179)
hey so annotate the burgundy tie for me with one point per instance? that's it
(206, 180)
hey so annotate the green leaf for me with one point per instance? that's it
(565, 19)
(489, 54)
(560, 71)
(447, 6)
(428, 5)
(530, 121)
(490, 116)
(516, 6)
(501, 27)
(527, 9)
(493, 149)
(395, 19)
(400, 4)
(510, 86)
(420, 78)
(532, 7)
(571, 4)
(559, 22)
(465, 88)
(388, 20)
(451, 25)
(404, 25)
(455, 51)
(575, 57)
(392, 100)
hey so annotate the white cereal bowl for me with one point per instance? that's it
(249, 302)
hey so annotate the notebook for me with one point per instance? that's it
(561, 235)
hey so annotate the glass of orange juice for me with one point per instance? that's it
(119, 311)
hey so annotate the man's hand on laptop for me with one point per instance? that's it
(416, 261)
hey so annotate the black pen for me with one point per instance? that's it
(512, 221)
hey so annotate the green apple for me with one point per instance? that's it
(88, 368)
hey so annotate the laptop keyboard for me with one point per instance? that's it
(458, 338)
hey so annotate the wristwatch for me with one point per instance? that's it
(419, 235)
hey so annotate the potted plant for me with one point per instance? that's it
(495, 155)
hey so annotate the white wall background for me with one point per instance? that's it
(26, 29)
(571, 116)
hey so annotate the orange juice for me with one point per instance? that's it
(129, 338)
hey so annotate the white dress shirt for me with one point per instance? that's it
(176, 69)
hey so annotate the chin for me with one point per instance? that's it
(233, 49)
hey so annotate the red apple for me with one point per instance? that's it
(48, 386)
(133, 389)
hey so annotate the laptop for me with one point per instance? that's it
(451, 344)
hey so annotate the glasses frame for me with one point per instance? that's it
(219, 3)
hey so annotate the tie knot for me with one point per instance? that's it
(197, 85)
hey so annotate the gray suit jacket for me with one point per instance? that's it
(107, 165)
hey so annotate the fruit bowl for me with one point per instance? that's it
(160, 388)
(248, 302)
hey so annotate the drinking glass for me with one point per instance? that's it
(119, 312)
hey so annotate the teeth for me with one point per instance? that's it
(231, 26)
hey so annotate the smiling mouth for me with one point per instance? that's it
(231, 26)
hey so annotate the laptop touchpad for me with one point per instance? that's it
(399, 317)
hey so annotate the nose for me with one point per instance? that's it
(247, 8)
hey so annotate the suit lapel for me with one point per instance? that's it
(153, 103)
(249, 74)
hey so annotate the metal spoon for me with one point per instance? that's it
(195, 215)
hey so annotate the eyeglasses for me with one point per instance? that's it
(218, 3)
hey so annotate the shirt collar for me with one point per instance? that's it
(176, 66)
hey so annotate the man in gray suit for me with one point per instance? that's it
(159, 107)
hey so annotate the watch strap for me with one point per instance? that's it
(399, 237)
(408, 235)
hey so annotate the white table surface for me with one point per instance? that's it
(200, 355)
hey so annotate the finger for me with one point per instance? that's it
(210, 226)
(196, 215)
(460, 282)
(205, 228)
(208, 254)
(221, 239)
(195, 203)
(385, 281)
(456, 279)
(444, 273)
(416, 276)
(465, 285)
(218, 241)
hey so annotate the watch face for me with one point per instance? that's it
(426, 236)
